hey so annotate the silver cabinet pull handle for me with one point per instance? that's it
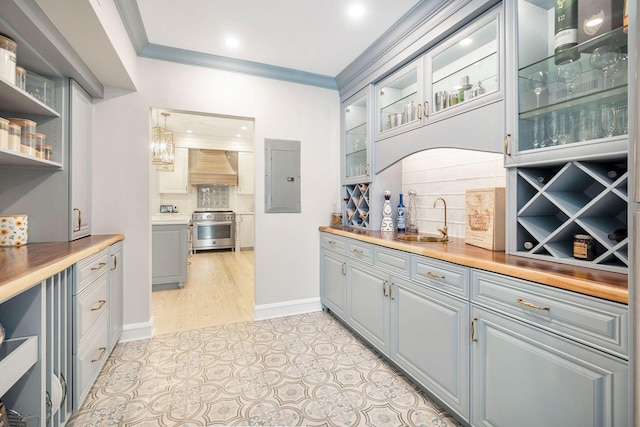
(79, 219)
(472, 330)
(506, 144)
(391, 295)
(101, 304)
(101, 265)
(344, 272)
(434, 275)
(357, 251)
(528, 304)
(385, 292)
(426, 108)
(419, 111)
(102, 351)
(115, 262)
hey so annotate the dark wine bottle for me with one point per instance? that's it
(528, 245)
(566, 31)
(618, 235)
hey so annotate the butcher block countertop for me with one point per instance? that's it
(22, 267)
(597, 283)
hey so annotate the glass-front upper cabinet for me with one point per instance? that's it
(572, 80)
(355, 144)
(399, 100)
(466, 67)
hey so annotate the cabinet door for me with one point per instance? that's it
(522, 376)
(80, 136)
(431, 341)
(368, 298)
(176, 181)
(355, 152)
(169, 254)
(246, 231)
(333, 280)
(566, 103)
(116, 296)
(399, 100)
(246, 173)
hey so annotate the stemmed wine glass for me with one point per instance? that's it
(606, 59)
(571, 74)
(538, 82)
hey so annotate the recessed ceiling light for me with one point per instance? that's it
(356, 10)
(232, 42)
(465, 42)
(189, 131)
(238, 135)
(243, 128)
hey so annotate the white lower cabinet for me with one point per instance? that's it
(494, 350)
(430, 341)
(524, 376)
(368, 296)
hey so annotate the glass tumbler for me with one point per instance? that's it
(588, 126)
(622, 121)
(539, 132)
(608, 120)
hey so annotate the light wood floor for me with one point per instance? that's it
(219, 290)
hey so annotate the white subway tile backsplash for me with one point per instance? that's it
(448, 173)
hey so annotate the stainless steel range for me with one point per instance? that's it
(213, 230)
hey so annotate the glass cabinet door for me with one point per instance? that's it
(399, 100)
(356, 139)
(466, 67)
(577, 96)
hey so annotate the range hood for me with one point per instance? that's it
(212, 167)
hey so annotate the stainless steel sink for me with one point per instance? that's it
(417, 238)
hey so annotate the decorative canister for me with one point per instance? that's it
(13, 230)
(8, 59)
(4, 133)
(21, 77)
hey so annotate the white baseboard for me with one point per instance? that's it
(137, 331)
(286, 308)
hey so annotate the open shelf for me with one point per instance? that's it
(17, 356)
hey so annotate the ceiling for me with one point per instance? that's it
(315, 36)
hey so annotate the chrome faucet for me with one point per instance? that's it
(443, 230)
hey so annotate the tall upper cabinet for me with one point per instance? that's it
(567, 134)
(356, 142)
(81, 119)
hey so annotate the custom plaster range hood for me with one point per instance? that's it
(213, 167)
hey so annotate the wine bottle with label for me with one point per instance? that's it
(618, 235)
(566, 31)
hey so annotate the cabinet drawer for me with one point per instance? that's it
(442, 275)
(333, 242)
(593, 321)
(88, 306)
(89, 360)
(360, 250)
(391, 260)
(90, 268)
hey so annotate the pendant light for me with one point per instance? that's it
(162, 147)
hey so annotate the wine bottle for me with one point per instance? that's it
(528, 245)
(625, 16)
(613, 174)
(566, 31)
(618, 235)
(400, 219)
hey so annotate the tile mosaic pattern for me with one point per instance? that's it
(304, 370)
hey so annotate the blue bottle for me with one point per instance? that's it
(400, 218)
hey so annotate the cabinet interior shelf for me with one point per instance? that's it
(22, 102)
(468, 66)
(13, 158)
(17, 356)
(398, 105)
(359, 129)
(614, 95)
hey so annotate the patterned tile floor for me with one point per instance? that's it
(304, 370)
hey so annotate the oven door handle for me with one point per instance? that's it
(208, 223)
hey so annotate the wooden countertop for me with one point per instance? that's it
(22, 267)
(597, 283)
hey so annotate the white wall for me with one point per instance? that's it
(448, 173)
(286, 253)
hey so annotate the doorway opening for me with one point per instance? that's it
(214, 157)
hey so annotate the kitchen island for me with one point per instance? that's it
(170, 250)
(61, 307)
